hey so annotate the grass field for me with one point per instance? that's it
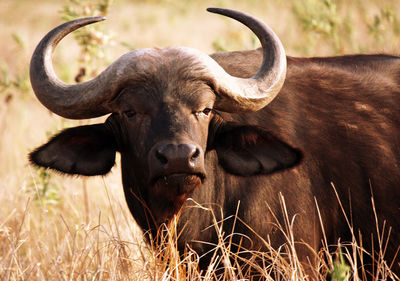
(68, 228)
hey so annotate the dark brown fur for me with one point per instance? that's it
(335, 123)
(343, 113)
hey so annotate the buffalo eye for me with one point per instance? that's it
(207, 111)
(129, 113)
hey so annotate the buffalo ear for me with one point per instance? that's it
(85, 150)
(250, 150)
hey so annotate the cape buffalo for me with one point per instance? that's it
(248, 127)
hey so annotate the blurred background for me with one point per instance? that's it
(57, 228)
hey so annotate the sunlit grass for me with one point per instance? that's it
(46, 241)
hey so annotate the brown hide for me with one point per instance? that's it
(343, 113)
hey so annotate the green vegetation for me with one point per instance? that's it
(44, 190)
(16, 81)
(341, 270)
(385, 24)
(90, 39)
(321, 18)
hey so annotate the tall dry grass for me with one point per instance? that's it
(69, 228)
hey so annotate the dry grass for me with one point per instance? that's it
(63, 234)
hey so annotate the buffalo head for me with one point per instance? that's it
(163, 105)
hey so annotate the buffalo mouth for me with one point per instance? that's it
(168, 194)
(176, 185)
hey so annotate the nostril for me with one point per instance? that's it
(161, 157)
(196, 154)
(176, 157)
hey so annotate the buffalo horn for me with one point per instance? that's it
(91, 98)
(251, 94)
(81, 101)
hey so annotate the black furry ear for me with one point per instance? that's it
(85, 150)
(250, 150)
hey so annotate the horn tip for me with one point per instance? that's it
(214, 10)
(226, 12)
(100, 18)
(93, 19)
(89, 20)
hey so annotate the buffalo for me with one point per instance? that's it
(245, 126)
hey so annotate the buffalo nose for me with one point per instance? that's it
(178, 156)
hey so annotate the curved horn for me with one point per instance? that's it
(91, 99)
(81, 101)
(254, 93)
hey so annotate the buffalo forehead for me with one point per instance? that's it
(168, 76)
(183, 63)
